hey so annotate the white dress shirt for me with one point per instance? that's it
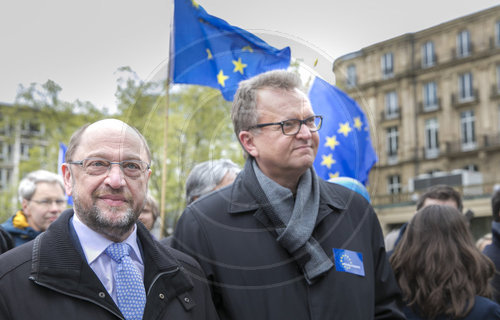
(94, 245)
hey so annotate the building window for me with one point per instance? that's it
(428, 58)
(430, 96)
(467, 130)
(31, 128)
(4, 178)
(387, 65)
(497, 33)
(394, 184)
(498, 78)
(472, 167)
(392, 144)
(25, 151)
(431, 138)
(351, 75)
(465, 88)
(4, 148)
(463, 44)
(391, 105)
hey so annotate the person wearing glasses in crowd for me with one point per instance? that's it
(96, 261)
(42, 198)
(281, 243)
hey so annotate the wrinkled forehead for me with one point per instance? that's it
(113, 139)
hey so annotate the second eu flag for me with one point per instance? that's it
(208, 51)
(345, 148)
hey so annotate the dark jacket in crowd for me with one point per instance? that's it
(253, 277)
(6, 242)
(19, 230)
(484, 309)
(493, 252)
(49, 278)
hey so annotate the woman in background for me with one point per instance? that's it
(440, 271)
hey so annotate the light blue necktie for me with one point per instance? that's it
(129, 285)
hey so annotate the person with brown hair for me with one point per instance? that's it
(440, 271)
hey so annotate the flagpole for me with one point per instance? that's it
(165, 142)
(164, 162)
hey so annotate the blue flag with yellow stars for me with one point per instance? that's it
(345, 148)
(210, 52)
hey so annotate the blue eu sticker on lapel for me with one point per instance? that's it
(349, 261)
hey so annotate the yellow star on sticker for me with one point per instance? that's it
(209, 54)
(357, 123)
(333, 175)
(332, 142)
(247, 48)
(239, 66)
(195, 4)
(344, 129)
(327, 161)
(221, 78)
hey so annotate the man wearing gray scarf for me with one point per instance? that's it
(281, 243)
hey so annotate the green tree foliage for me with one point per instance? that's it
(40, 120)
(199, 129)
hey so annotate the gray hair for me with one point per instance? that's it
(205, 176)
(27, 186)
(153, 204)
(244, 111)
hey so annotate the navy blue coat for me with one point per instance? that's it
(253, 277)
(493, 252)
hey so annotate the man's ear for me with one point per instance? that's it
(66, 173)
(247, 140)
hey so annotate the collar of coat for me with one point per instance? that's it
(245, 195)
(58, 264)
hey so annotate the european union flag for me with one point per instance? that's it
(210, 52)
(345, 147)
(60, 161)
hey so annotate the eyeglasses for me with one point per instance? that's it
(98, 166)
(48, 202)
(291, 127)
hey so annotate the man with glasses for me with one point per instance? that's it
(95, 261)
(42, 198)
(280, 243)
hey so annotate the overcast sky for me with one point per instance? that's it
(81, 44)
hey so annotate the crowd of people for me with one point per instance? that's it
(270, 240)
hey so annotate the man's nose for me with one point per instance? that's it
(115, 178)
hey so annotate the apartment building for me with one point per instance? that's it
(433, 101)
(17, 137)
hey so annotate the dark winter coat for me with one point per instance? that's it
(493, 252)
(253, 277)
(48, 278)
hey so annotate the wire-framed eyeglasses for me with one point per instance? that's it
(98, 166)
(291, 127)
(48, 202)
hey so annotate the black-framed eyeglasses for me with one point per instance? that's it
(291, 127)
(98, 166)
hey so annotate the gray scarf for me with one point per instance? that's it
(295, 219)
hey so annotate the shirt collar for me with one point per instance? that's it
(94, 244)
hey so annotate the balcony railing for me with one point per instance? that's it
(463, 101)
(405, 198)
(424, 108)
(483, 142)
(386, 116)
